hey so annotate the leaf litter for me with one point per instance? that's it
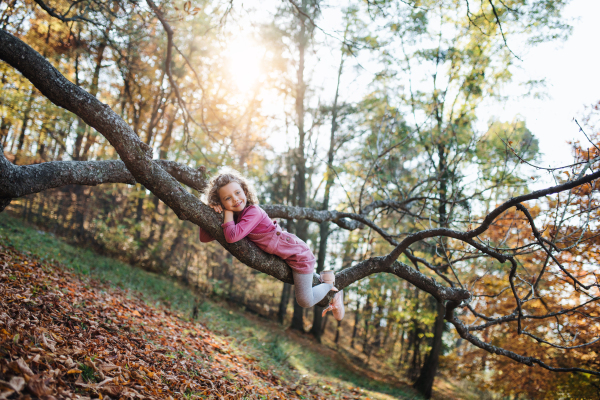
(64, 338)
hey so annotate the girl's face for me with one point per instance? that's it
(232, 197)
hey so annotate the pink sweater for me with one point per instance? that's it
(252, 219)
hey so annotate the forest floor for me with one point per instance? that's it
(74, 324)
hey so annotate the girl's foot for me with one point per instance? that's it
(336, 306)
(329, 278)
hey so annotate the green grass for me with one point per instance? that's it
(154, 288)
(266, 341)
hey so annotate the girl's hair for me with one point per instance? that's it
(223, 179)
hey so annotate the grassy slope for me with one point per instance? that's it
(292, 357)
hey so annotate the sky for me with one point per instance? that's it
(570, 69)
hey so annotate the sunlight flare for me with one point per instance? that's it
(244, 63)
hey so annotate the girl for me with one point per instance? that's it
(230, 193)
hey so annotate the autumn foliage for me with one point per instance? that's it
(62, 338)
(559, 324)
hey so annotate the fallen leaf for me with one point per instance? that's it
(74, 371)
(37, 386)
(17, 383)
(24, 367)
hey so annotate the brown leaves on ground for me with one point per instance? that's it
(62, 338)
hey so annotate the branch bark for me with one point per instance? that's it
(20, 180)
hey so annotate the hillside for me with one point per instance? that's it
(70, 333)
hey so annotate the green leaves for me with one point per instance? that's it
(507, 141)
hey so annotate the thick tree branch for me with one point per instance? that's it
(18, 181)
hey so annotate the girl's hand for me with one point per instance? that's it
(228, 216)
(217, 208)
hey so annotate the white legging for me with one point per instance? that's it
(308, 295)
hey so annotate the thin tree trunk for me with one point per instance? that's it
(317, 327)
(401, 346)
(338, 329)
(283, 303)
(367, 311)
(139, 213)
(301, 225)
(298, 317)
(424, 383)
(80, 130)
(4, 129)
(26, 117)
(356, 322)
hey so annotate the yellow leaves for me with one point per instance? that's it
(58, 338)
(74, 371)
(136, 313)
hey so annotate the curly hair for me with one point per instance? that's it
(223, 179)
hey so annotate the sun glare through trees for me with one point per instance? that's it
(244, 63)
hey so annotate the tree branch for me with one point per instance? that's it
(52, 13)
(463, 331)
(20, 180)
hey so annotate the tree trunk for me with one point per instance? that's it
(338, 329)
(301, 225)
(356, 321)
(298, 317)
(26, 117)
(401, 338)
(367, 311)
(4, 129)
(424, 383)
(81, 126)
(317, 327)
(285, 299)
(139, 212)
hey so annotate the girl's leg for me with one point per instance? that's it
(306, 294)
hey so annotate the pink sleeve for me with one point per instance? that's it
(205, 236)
(235, 232)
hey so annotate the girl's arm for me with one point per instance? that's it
(236, 232)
